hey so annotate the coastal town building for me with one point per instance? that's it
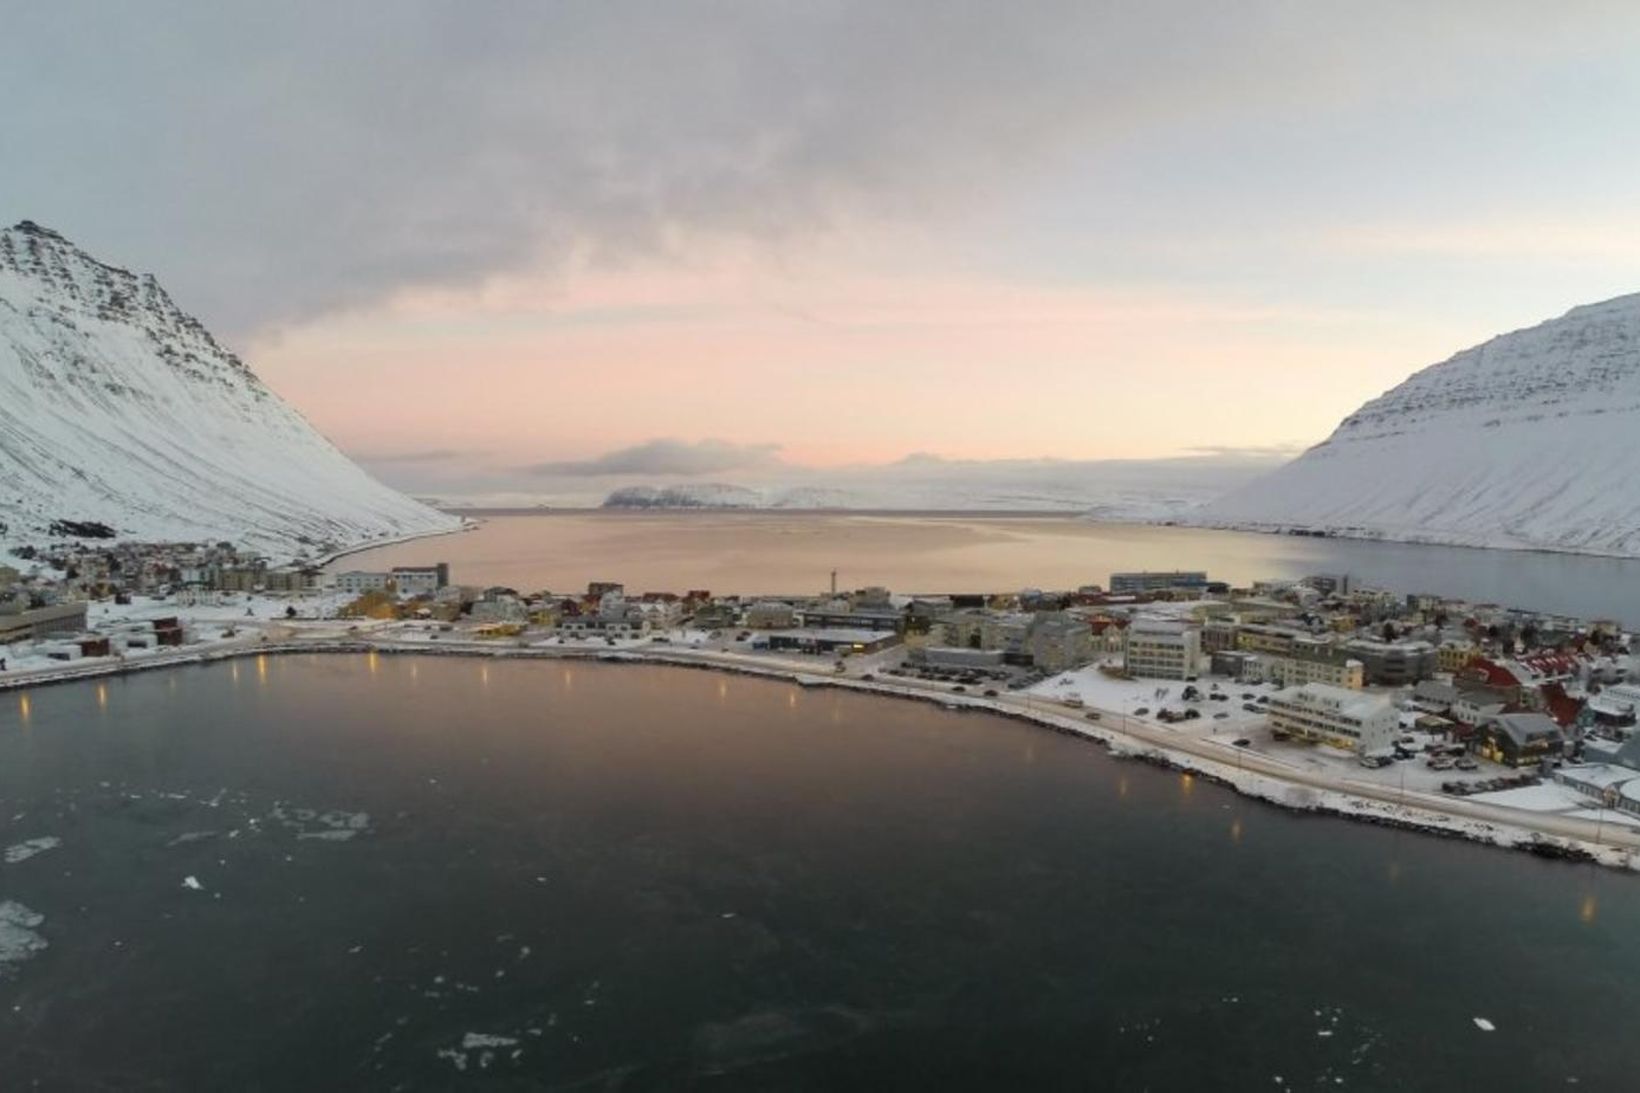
(771, 615)
(420, 580)
(356, 582)
(1616, 706)
(1057, 641)
(20, 623)
(1477, 702)
(956, 656)
(1520, 739)
(1393, 663)
(1162, 648)
(1336, 716)
(1148, 581)
(829, 640)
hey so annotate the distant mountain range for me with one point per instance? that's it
(1114, 489)
(1529, 440)
(120, 414)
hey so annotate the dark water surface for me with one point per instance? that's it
(606, 877)
(781, 552)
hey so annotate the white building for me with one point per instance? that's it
(1336, 716)
(1157, 648)
(420, 580)
(356, 582)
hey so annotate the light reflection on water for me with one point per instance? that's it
(782, 553)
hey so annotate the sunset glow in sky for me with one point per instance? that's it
(470, 242)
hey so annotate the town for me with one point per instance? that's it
(1418, 694)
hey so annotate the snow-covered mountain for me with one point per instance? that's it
(693, 495)
(116, 408)
(1530, 440)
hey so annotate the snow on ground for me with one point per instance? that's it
(1111, 694)
(1100, 691)
(230, 618)
(1554, 797)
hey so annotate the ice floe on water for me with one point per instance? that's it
(18, 941)
(474, 1040)
(192, 882)
(1484, 1025)
(332, 825)
(26, 849)
(484, 1044)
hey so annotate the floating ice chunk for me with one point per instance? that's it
(18, 941)
(1484, 1025)
(25, 850)
(475, 1040)
(192, 882)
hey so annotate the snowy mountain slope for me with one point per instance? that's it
(118, 408)
(1530, 440)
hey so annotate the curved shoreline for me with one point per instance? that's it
(1453, 540)
(465, 524)
(1251, 774)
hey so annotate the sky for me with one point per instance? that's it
(513, 248)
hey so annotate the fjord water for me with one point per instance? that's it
(790, 553)
(420, 873)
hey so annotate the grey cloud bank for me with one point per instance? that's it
(276, 162)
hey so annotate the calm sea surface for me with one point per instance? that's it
(730, 552)
(426, 873)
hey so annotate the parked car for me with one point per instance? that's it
(1466, 762)
(990, 692)
(1241, 742)
(1142, 711)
